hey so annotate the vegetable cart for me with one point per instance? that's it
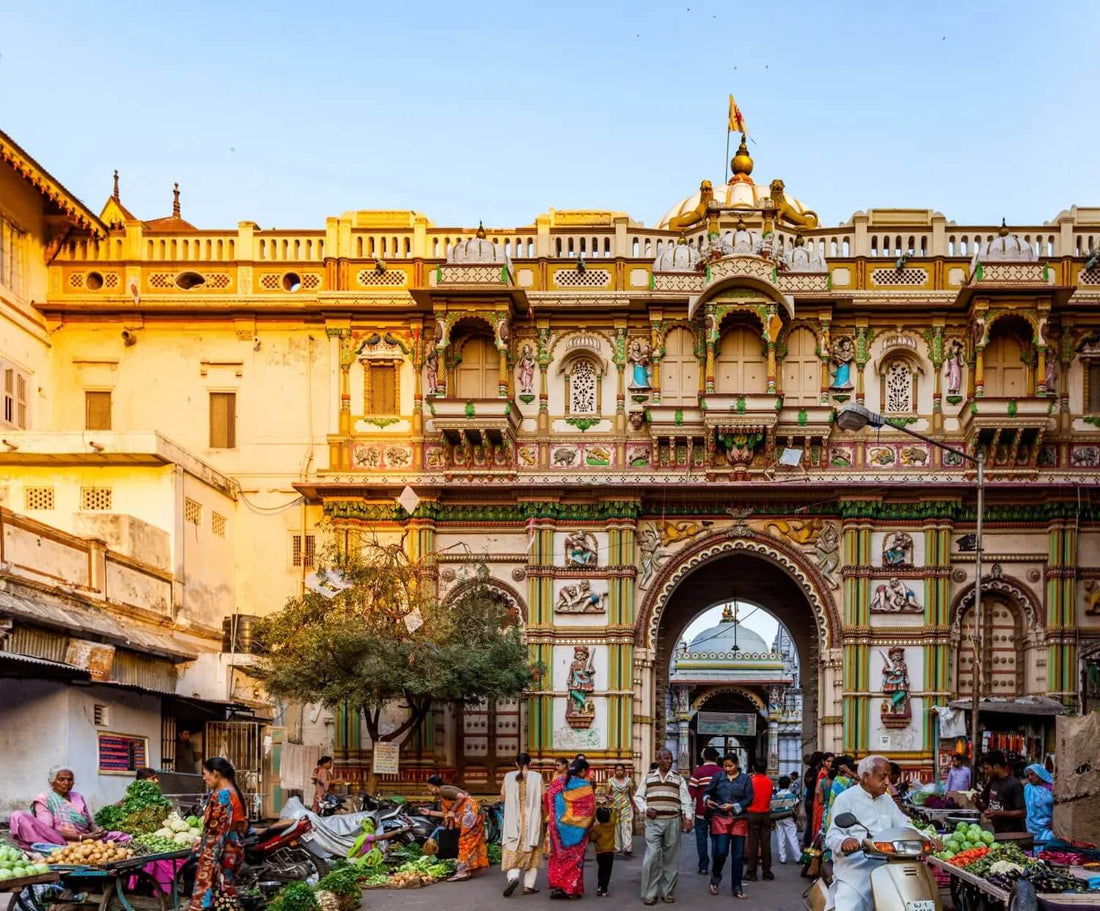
(971, 892)
(20, 888)
(121, 886)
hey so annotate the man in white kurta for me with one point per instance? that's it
(870, 803)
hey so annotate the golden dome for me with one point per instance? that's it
(741, 164)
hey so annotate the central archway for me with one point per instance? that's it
(765, 571)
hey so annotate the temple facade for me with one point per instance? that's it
(626, 423)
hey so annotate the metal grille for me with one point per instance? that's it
(218, 524)
(241, 742)
(95, 499)
(38, 498)
(192, 511)
(303, 556)
(383, 389)
(97, 410)
(223, 420)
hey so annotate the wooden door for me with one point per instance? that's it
(679, 369)
(478, 372)
(801, 369)
(740, 368)
(1006, 374)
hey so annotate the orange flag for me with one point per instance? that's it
(737, 122)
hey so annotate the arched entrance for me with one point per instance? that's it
(764, 571)
(727, 700)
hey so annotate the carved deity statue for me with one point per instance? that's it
(953, 367)
(431, 372)
(527, 371)
(827, 553)
(894, 598)
(639, 361)
(1050, 379)
(844, 353)
(895, 684)
(897, 549)
(580, 549)
(579, 598)
(649, 543)
(581, 681)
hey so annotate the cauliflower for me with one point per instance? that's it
(1005, 866)
(176, 824)
(164, 833)
(186, 839)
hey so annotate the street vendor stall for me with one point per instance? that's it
(1020, 726)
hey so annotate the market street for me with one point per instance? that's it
(484, 890)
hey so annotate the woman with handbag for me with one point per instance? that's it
(726, 800)
(220, 851)
(461, 811)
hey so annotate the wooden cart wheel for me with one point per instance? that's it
(1023, 897)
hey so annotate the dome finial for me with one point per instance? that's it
(1004, 229)
(480, 230)
(175, 200)
(741, 164)
(114, 193)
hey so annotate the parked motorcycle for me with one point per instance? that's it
(278, 855)
(902, 883)
(332, 804)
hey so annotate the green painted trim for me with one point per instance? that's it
(381, 422)
(583, 424)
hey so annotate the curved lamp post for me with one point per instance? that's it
(854, 416)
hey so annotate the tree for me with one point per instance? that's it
(362, 649)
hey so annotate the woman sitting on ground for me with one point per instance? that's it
(58, 816)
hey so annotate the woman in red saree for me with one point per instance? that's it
(460, 809)
(820, 789)
(570, 808)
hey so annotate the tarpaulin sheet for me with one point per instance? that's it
(331, 834)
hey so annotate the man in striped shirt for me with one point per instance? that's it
(669, 811)
(700, 778)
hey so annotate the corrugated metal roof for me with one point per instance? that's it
(74, 618)
(42, 663)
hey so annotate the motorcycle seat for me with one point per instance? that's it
(258, 835)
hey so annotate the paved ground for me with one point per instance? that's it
(484, 890)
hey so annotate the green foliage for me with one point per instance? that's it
(344, 880)
(142, 810)
(356, 648)
(295, 897)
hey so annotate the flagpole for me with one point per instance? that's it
(726, 162)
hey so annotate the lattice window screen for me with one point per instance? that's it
(97, 410)
(899, 389)
(582, 389)
(223, 420)
(95, 499)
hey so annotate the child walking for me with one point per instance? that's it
(602, 836)
(786, 829)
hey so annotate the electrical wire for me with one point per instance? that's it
(270, 510)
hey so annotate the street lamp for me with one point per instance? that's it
(854, 416)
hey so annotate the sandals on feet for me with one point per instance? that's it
(713, 889)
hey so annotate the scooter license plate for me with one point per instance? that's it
(925, 904)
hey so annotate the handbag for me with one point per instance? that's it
(448, 844)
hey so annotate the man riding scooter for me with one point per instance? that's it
(875, 810)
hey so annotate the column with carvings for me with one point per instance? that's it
(937, 624)
(544, 393)
(824, 346)
(502, 336)
(618, 358)
(622, 547)
(656, 352)
(417, 358)
(864, 337)
(856, 618)
(772, 327)
(1061, 619)
(937, 356)
(712, 339)
(541, 525)
(339, 452)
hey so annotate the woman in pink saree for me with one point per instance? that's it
(58, 816)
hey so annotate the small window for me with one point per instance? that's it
(101, 715)
(898, 386)
(122, 754)
(97, 410)
(16, 387)
(381, 380)
(38, 498)
(192, 511)
(583, 388)
(218, 524)
(95, 499)
(1092, 387)
(13, 244)
(303, 556)
(223, 420)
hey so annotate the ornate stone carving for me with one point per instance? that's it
(578, 598)
(894, 597)
(580, 710)
(897, 549)
(895, 687)
(581, 549)
(827, 553)
(843, 354)
(652, 554)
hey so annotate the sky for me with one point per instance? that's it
(285, 113)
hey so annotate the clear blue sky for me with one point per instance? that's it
(284, 113)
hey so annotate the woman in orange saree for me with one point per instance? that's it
(461, 810)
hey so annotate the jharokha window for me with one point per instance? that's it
(381, 393)
(899, 388)
(583, 387)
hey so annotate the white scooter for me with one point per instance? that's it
(902, 883)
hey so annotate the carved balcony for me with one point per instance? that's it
(473, 422)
